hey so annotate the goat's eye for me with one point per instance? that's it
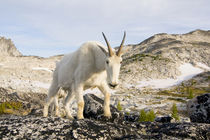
(120, 62)
(107, 62)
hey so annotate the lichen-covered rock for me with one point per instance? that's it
(199, 108)
(36, 127)
(164, 119)
(94, 126)
(94, 109)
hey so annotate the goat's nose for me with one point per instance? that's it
(113, 85)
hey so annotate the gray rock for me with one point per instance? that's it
(199, 108)
(36, 127)
(164, 119)
(94, 109)
(95, 126)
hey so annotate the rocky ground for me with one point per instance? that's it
(33, 127)
(146, 70)
(95, 126)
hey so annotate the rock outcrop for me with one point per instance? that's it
(33, 127)
(7, 48)
(94, 126)
(199, 109)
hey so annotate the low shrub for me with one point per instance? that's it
(119, 107)
(174, 112)
(7, 107)
(146, 117)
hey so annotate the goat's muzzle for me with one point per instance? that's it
(113, 85)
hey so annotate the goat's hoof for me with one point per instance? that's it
(58, 114)
(45, 114)
(108, 115)
(80, 117)
(70, 117)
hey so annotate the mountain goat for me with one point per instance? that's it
(90, 66)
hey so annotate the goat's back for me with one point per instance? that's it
(79, 65)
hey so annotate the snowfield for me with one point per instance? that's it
(44, 69)
(187, 72)
(203, 66)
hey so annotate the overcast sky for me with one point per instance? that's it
(50, 27)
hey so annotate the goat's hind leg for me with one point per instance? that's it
(67, 103)
(51, 97)
(56, 106)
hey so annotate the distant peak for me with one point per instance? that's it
(7, 48)
(199, 31)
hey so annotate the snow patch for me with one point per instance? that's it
(203, 66)
(40, 84)
(187, 72)
(40, 68)
(96, 91)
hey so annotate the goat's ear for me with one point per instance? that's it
(103, 50)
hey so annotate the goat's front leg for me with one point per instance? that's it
(105, 90)
(80, 102)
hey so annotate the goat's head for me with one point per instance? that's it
(113, 63)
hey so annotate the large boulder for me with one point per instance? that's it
(199, 108)
(94, 109)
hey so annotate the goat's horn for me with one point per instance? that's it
(121, 45)
(109, 48)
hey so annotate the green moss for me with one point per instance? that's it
(129, 96)
(158, 97)
(127, 113)
(171, 93)
(155, 102)
(185, 91)
(10, 106)
(190, 93)
(137, 57)
(177, 99)
(119, 107)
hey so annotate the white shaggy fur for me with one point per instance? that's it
(92, 65)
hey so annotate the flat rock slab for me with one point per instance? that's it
(35, 127)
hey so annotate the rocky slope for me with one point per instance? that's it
(7, 48)
(160, 55)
